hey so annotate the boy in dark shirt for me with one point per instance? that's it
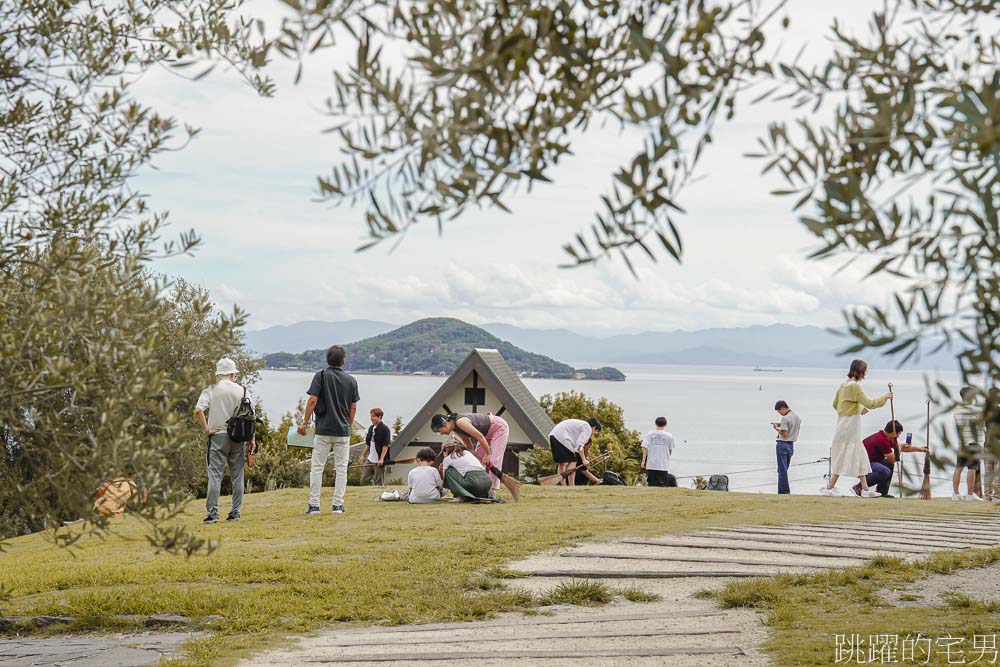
(333, 396)
(376, 450)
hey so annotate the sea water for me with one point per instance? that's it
(719, 415)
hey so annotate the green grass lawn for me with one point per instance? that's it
(279, 572)
(807, 612)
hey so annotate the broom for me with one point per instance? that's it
(510, 483)
(552, 480)
(513, 485)
(386, 463)
(925, 489)
(896, 450)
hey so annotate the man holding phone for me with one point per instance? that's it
(880, 454)
(784, 445)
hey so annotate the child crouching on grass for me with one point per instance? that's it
(464, 474)
(423, 484)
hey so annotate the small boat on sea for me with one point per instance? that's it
(758, 369)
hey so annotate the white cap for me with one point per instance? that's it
(225, 366)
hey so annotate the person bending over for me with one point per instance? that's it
(485, 434)
(570, 441)
(464, 474)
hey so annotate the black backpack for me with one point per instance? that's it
(612, 479)
(671, 480)
(718, 483)
(242, 425)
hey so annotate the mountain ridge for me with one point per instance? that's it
(435, 346)
(771, 345)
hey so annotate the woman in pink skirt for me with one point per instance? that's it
(486, 435)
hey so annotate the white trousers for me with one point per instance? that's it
(322, 446)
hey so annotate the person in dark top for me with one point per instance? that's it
(879, 447)
(484, 435)
(333, 397)
(376, 450)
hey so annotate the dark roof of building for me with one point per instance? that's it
(499, 378)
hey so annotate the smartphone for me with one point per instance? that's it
(909, 438)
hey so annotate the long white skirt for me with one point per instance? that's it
(848, 457)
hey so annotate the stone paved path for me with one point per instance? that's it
(96, 651)
(679, 629)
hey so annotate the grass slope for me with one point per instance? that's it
(807, 612)
(279, 572)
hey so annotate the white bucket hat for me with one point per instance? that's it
(225, 366)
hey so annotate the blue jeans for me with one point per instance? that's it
(784, 451)
(881, 476)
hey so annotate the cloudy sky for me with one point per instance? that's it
(247, 185)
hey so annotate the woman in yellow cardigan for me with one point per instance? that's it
(848, 456)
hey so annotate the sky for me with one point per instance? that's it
(246, 184)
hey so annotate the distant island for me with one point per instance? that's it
(435, 346)
(773, 346)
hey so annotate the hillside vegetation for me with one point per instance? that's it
(435, 346)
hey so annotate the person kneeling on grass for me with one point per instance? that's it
(464, 475)
(484, 434)
(880, 455)
(423, 484)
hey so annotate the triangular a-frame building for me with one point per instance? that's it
(482, 383)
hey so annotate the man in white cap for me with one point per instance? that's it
(220, 400)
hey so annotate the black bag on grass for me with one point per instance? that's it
(718, 483)
(612, 479)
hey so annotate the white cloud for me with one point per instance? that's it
(247, 186)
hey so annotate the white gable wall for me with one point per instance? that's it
(456, 401)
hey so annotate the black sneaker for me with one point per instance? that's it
(233, 517)
(888, 495)
(312, 509)
(856, 490)
(337, 509)
(211, 519)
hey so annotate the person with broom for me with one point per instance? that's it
(464, 474)
(485, 435)
(847, 455)
(880, 448)
(570, 441)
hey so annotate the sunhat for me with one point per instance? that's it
(225, 366)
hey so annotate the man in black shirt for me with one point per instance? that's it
(333, 396)
(376, 450)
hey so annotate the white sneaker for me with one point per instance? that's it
(829, 492)
(956, 496)
(974, 498)
(870, 493)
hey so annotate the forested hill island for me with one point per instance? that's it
(435, 346)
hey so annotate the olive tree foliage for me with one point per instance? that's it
(487, 97)
(449, 105)
(902, 174)
(101, 360)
